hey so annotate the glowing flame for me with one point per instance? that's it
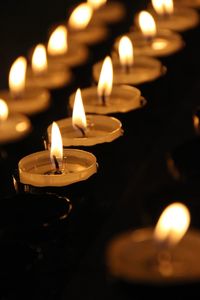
(57, 44)
(172, 224)
(78, 116)
(106, 78)
(126, 52)
(17, 76)
(80, 16)
(147, 24)
(96, 3)
(163, 7)
(3, 110)
(56, 151)
(39, 59)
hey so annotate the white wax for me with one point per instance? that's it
(181, 20)
(101, 129)
(145, 69)
(16, 127)
(165, 43)
(111, 12)
(133, 257)
(78, 165)
(53, 78)
(34, 100)
(123, 98)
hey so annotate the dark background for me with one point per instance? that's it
(133, 184)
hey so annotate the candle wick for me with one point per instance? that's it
(57, 171)
(81, 130)
(103, 99)
(127, 68)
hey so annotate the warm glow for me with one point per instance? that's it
(57, 44)
(80, 16)
(39, 59)
(126, 51)
(147, 24)
(106, 78)
(172, 224)
(196, 122)
(78, 117)
(56, 145)
(17, 76)
(96, 3)
(3, 110)
(163, 7)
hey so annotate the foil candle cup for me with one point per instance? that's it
(21, 98)
(13, 126)
(45, 75)
(83, 28)
(90, 130)
(168, 15)
(152, 41)
(164, 257)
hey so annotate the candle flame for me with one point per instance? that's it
(126, 51)
(39, 60)
(78, 116)
(147, 24)
(163, 7)
(96, 3)
(17, 76)
(172, 224)
(57, 44)
(81, 16)
(56, 150)
(3, 110)
(106, 78)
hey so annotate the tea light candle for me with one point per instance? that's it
(83, 29)
(129, 69)
(56, 167)
(13, 126)
(173, 17)
(65, 54)
(43, 75)
(166, 255)
(152, 41)
(107, 12)
(82, 131)
(106, 98)
(22, 99)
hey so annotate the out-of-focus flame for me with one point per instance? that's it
(105, 83)
(17, 76)
(126, 52)
(56, 150)
(57, 44)
(81, 16)
(39, 60)
(163, 7)
(96, 3)
(147, 24)
(78, 116)
(3, 110)
(172, 224)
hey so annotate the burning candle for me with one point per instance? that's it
(81, 27)
(87, 131)
(106, 11)
(106, 98)
(43, 75)
(167, 254)
(21, 98)
(174, 17)
(57, 167)
(151, 41)
(62, 53)
(13, 126)
(129, 68)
